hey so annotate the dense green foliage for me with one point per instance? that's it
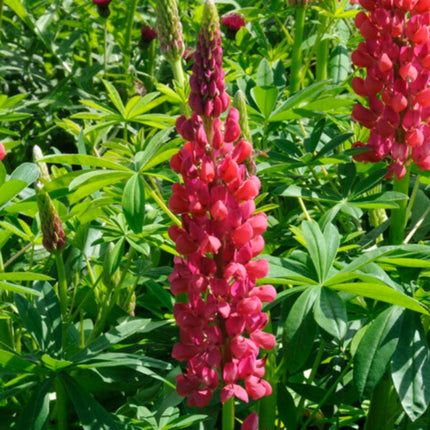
(86, 332)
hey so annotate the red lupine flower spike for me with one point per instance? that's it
(396, 57)
(222, 323)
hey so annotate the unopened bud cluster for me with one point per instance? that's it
(54, 237)
(396, 55)
(221, 324)
(170, 29)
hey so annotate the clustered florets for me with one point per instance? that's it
(220, 235)
(221, 323)
(396, 55)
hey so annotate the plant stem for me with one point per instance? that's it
(383, 407)
(61, 405)
(62, 283)
(178, 74)
(127, 48)
(1, 14)
(398, 216)
(322, 53)
(296, 59)
(228, 414)
(105, 34)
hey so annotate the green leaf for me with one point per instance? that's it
(410, 367)
(314, 393)
(91, 414)
(35, 415)
(15, 288)
(31, 320)
(322, 248)
(84, 160)
(98, 176)
(300, 330)
(339, 64)
(381, 292)
(133, 203)
(13, 363)
(125, 329)
(151, 148)
(49, 309)
(265, 97)
(10, 189)
(264, 74)
(375, 350)
(330, 313)
(286, 408)
(115, 97)
(24, 276)
(310, 92)
(114, 256)
(27, 172)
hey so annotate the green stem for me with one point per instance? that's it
(1, 14)
(322, 52)
(228, 414)
(105, 36)
(62, 283)
(61, 405)
(1, 263)
(384, 407)
(178, 74)
(161, 203)
(412, 197)
(128, 33)
(398, 216)
(296, 59)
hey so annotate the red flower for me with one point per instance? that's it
(233, 22)
(147, 35)
(395, 54)
(2, 151)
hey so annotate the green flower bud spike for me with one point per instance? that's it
(170, 29)
(54, 238)
(239, 103)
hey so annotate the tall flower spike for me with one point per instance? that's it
(395, 54)
(208, 97)
(222, 323)
(170, 29)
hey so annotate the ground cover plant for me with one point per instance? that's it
(214, 214)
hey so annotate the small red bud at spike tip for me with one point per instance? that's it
(396, 56)
(222, 323)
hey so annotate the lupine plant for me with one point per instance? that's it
(147, 147)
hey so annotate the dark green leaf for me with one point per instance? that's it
(91, 414)
(330, 313)
(300, 330)
(133, 202)
(286, 408)
(410, 367)
(375, 350)
(35, 415)
(264, 74)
